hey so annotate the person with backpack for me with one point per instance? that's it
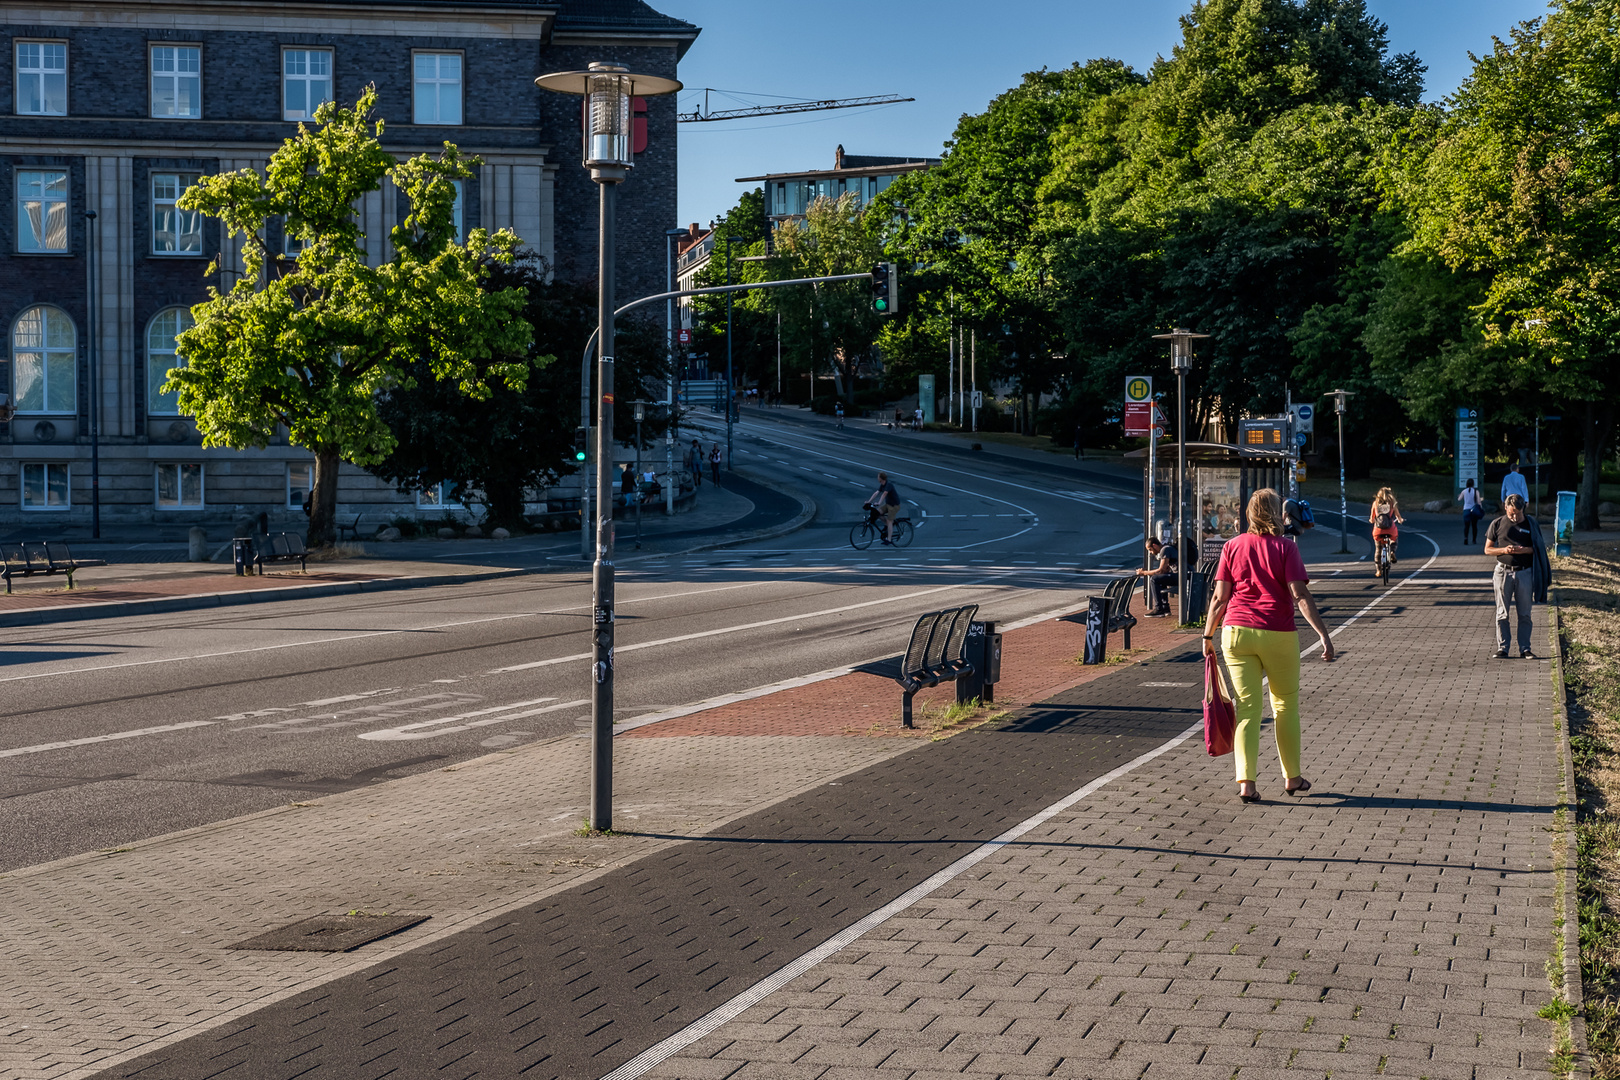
(1473, 509)
(1385, 517)
(1297, 518)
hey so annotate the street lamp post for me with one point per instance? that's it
(1338, 397)
(607, 89)
(1181, 362)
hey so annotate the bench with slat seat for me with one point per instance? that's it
(1120, 619)
(40, 559)
(935, 653)
(352, 529)
(280, 548)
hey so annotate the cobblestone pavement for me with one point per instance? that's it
(1395, 922)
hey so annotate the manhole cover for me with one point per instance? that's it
(331, 933)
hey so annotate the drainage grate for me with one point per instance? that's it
(331, 933)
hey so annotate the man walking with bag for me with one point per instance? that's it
(1522, 572)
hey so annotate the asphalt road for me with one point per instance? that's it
(120, 729)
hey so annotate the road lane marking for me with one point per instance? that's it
(495, 714)
(113, 736)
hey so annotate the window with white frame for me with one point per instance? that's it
(174, 231)
(179, 485)
(44, 350)
(46, 485)
(306, 82)
(161, 356)
(177, 81)
(438, 88)
(300, 482)
(42, 210)
(445, 495)
(41, 78)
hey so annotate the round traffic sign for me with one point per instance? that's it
(1138, 389)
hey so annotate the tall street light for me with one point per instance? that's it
(1181, 363)
(730, 392)
(607, 89)
(669, 356)
(1338, 397)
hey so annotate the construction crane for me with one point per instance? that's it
(705, 114)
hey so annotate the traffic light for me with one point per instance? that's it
(582, 442)
(885, 288)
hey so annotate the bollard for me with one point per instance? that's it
(242, 555)
(197, 551)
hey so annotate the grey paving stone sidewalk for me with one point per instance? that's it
(1396, 922)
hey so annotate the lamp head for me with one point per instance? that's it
(1180, 348)
(607, 89)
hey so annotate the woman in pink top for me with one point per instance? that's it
(1260, 579)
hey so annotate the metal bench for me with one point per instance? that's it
(40, 559)
(936, 653)
(352, 529)
(1120, 619)
(280, 548)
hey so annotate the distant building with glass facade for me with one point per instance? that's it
(789, 195)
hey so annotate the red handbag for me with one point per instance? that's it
(1220, 723)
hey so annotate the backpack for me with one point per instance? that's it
(1306, 518)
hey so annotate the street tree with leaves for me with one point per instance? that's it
(309, 345)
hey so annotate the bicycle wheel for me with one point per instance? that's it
(861, 535)
(902, 532)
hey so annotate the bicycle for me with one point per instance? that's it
(864, 532)
(1381, 559)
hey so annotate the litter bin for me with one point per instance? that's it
(242, 554)
(983, 651)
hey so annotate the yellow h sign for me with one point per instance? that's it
(1139, 388)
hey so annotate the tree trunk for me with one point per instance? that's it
(503, 501)
(323, 499)
(1599, 421)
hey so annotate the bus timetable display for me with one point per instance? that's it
(1263, 438)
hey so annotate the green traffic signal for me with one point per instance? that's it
(881, 304)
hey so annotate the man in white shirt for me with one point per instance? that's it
(1513, 484)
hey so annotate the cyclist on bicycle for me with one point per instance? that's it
(1385, 516)
(885, 501)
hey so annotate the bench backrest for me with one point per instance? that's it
(59, 554)
(1120, 591)
(295, 543)
(37, 555)
(934, 655)
(956, 643)
(278, 545)
(915, 661)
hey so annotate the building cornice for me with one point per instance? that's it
(397, 18)
(836, 174)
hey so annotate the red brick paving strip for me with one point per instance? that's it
(161, 588)
(1036, 662)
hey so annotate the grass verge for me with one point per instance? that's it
(1589, 594)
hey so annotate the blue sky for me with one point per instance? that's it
(953, 57)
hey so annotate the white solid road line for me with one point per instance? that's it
(113, 736)
(707, 1024)
(1116, 547)
(430, 729)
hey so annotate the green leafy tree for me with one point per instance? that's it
(1522, 187)
(753, 324)
(832, 324)
(311, 345)
(516, 439)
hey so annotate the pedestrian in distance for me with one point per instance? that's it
(897, 420)
(1513, 484)
(838, 412)
(1258, 583)
(1386, 519)
(1473, 508)
(916, 419)
(714, 463)
(1157, 579)
(695, 463)
(1521, 575)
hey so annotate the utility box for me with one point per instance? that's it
(983, 651)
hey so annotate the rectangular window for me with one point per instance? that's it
(179, 486)
(45, 486)
(174, 231)
(300, 482)
(438, 88)
(41, 78)
(306, 82)
(177, 81)
(42, 211)
(441, 496)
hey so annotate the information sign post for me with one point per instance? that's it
(1467, 448)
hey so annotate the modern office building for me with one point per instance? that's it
(111, 108)
(789, 195)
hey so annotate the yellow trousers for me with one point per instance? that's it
(1272, 655)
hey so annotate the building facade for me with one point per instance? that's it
(109, 109)
(789, 195)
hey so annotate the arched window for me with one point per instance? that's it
(161, 356)
(44, 361)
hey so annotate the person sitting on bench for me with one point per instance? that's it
(1159, 578)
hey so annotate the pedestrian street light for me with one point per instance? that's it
(1181, 362)
(607, 90)
(1338, 397)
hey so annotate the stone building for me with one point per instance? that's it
(111, 108)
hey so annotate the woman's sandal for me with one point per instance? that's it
(1301, 788)
(1250, 798)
